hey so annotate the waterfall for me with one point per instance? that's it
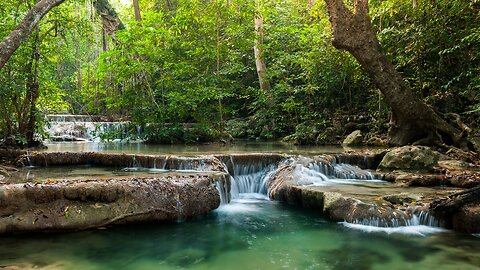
(421, 218)
(249, 175)
(325, 172)
(87, 128)
(252, 175)
(420, 223)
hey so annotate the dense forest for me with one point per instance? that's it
(189, 71)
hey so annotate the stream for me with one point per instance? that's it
(250, 232)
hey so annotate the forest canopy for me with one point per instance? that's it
(162, 64)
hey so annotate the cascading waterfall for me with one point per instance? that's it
(417, 219)
(86, 128)
(421, 223)
(324, 172)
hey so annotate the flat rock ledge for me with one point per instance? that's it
(79, 205)
(458, 212)
(335, 205)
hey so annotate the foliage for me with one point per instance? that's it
(186, 72)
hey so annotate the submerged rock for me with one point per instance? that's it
(67, 205)
(410, 158)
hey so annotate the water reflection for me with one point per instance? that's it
(179, 149)
(252, 234)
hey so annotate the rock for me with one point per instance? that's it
(376, 141)
(286, 187)
(363, 160)
(354, 138)
(205, 163)
(401, 198)
(463, 179)
(418, 158)
(455, 165)
(418, 180)
(68, 205)
(460, 211)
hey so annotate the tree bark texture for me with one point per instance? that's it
(259, 58)
(412, 121)
(136, 9)
(24, 28)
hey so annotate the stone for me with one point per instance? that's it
(467, 219)
(401, 198)
(78, 205)
(459, 211)
(410, 158)
(354, 138)
(455, 165)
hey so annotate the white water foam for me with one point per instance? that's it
(419, 230)
(247, 202)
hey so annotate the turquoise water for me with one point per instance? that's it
(251, 233)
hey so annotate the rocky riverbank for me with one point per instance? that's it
(78, 205)
(416, 183)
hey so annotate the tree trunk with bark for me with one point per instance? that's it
(412, 121)
(259, 58)
(24, 28)
(136, 9)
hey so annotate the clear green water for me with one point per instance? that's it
(250, 234)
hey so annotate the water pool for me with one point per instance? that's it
(250, 233)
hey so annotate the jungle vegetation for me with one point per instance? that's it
(257, 69)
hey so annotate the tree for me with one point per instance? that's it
(412, 121)
(24, 28)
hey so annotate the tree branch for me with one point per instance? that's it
(11, 43)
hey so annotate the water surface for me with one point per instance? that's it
(201, 149)
(251, 233)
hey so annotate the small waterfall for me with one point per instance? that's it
(420, 218)
(248, 175)
(420, 223)
(88, 128)
(251, 178)
(324, 172)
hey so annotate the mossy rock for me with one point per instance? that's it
(410, 158)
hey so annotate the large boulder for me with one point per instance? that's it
(410, 158)
(77, 205)
(354, 138)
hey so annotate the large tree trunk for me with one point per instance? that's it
(24, 28)
(412, 121)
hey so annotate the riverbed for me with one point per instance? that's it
(252, 232)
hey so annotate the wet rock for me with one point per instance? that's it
(285, 186)
(67, 205)
(401, 198)
(415, 179)
(362, 160)
(201, 163)
(459, 179)
(460, 211)
(354, 138)
(410, 158)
